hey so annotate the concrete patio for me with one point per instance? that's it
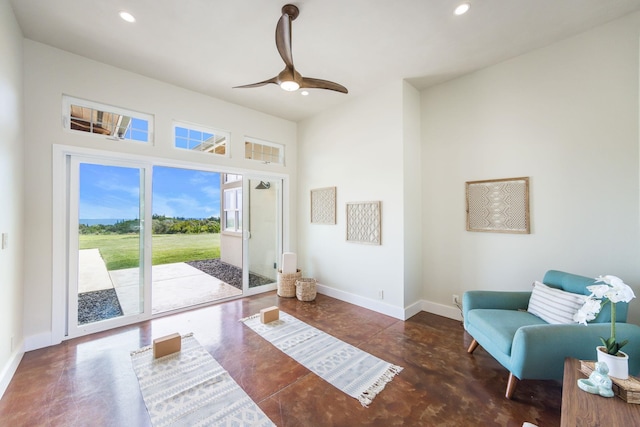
(174, 286)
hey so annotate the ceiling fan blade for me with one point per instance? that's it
(266, 82)
(290, 78)
(311, 83)
(283, 39)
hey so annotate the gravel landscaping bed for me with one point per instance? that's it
(228, 273)
(98, 305)
(101, 305)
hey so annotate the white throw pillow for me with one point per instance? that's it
(553, 305)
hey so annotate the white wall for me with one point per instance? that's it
(11, 188)
(358, 148)
(412, 193)
(50, 73)
(566, 116)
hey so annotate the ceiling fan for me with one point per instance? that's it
(290, 79)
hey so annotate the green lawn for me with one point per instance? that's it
(122, 250)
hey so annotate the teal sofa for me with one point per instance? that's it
(530, 348)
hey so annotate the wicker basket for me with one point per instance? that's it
(306, 289)
(287, 283)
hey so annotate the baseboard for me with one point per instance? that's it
(361, 301)
(441, 310)
(35, 342)
(10, 369)
(389, 310)
(413, 309)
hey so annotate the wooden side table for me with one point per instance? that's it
(582, 409)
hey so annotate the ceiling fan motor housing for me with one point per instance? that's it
(291, 10)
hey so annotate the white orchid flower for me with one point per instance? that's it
(588, 311)
(610, 280)
(599, 291)
(580, 317)
(614, 289)
(622, 293)
(592, 306)
(609, 287)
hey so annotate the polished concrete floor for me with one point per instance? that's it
(89, 381)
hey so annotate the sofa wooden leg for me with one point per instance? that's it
(511, 386)
(472, 346)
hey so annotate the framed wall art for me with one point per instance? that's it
(323, 205)
(364, 223)
(498, 205)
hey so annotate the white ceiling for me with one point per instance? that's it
(211, 45)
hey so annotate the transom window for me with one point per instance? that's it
(113, 122)
(263, 151)
(200, 138)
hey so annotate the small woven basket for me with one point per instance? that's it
(287, 283)
(306, 289)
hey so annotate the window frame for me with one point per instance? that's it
(236, 210)
(237, 178)
(205, 129)
(280, 147)
(68, 101)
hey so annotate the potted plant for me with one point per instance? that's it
(608, 289)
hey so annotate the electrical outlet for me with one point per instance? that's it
(455, 299)
(381, 294)
(5, 240)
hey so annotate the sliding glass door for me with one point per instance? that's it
(262, 233)
(214, 236)
(107, 256)
(187, 266)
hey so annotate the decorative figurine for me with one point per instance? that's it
(598, 382)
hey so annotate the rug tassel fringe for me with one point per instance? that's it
(369, 394)
(140, 350)
(253, 316)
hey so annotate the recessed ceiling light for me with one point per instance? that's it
(127, 16)
(462, 9)
(304, 93)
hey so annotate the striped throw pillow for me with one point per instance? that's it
(554, 305)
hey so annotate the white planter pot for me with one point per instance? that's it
(618, 365)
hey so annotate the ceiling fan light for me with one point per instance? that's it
(289, 86)
(461, 9)
(127, 16)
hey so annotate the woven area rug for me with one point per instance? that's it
(349, 369)
(190, 388)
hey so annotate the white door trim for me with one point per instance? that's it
(60, 168)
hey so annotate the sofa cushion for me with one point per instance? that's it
(554, 305)
(499, 326)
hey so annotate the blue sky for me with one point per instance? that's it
(112, 192)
